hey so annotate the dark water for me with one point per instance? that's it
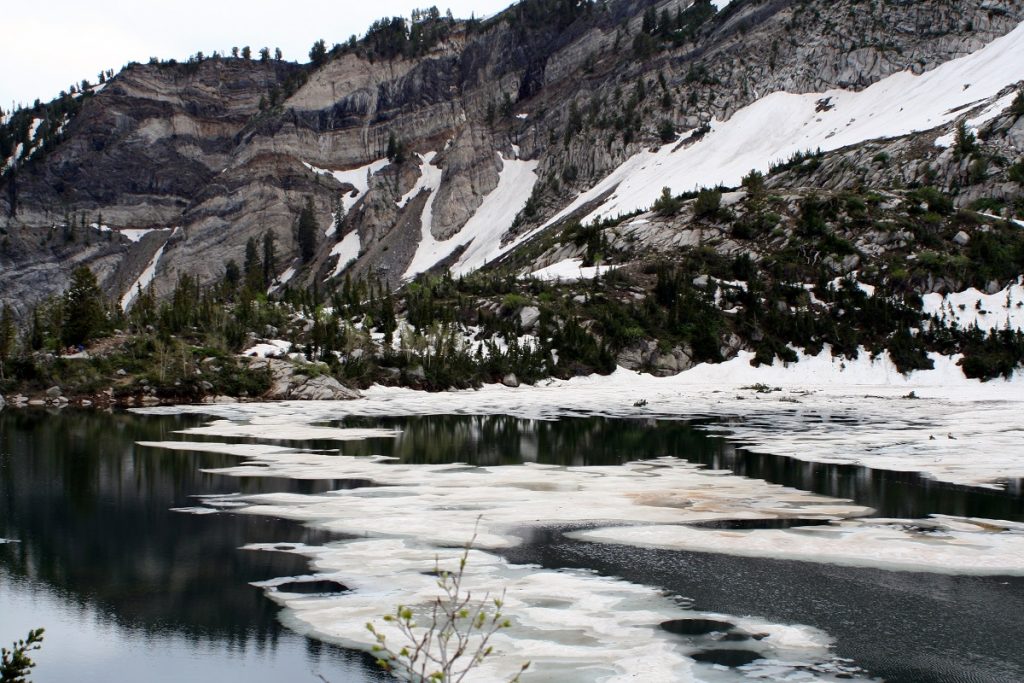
(129, 590)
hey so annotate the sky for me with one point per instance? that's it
(47, 47)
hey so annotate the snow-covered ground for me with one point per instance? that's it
(274, 348)
(570, 270)
(1002, 310)
(778, 125)
(347, 251)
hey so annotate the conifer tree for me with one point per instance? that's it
(269, 258)
(253, 266)
(84, 315)
(307, 232)
(7, 338)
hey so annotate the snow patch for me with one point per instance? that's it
(359, 178)
(274, 348)
(483, 232)
(144, 279)
(347, 251)
(570, 270)
(1002, 310)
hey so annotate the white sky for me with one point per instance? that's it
(48, 46)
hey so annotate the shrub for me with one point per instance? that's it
(708, 203)
(456, 639)
(666, 204)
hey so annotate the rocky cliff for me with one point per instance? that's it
(492, 129)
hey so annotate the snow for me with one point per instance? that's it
(135, 234)
(976, 122)
(144, 279)
(347, 251)
(482, 233)
(570, 270)
(1015, 221)
(881, 428)
(430, 179)
(950, 545)
(273, 348)
(778, 125)
(359, 178)
(1002, 310)
(33, 129)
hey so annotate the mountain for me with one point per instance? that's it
(889, 136)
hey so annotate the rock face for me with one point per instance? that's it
(220, 151)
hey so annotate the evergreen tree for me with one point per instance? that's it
(269, 258)
(7, 338)
(253, 266)
(84, 315)
(964, 143)
(307, 232)
(318, 53)
(246, 52)
(232, 276)
(396, 149)
(277, 54)
(264, 54)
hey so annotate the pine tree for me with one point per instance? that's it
(269, 258)
(307, 232)
(253, 266)
(246, 52)
(7, 338)
(277, 54)
(84, 315)
(318, 53)
(396, 149)
(964, 143)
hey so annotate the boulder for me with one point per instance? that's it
(962, 238)
(510, 380)
(322, 388)
(289, 381)
(646, 356)
(528, 317)
(53, 392)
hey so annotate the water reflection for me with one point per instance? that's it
(97, 534)
(589, 441)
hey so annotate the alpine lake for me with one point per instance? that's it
(102, 550)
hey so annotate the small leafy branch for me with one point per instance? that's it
(456, 639)
(15, 664)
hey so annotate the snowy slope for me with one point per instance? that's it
(347, 251)
(1002, 310)
(144, 279)
(776, 126)
(430, 180)
(483, 232)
